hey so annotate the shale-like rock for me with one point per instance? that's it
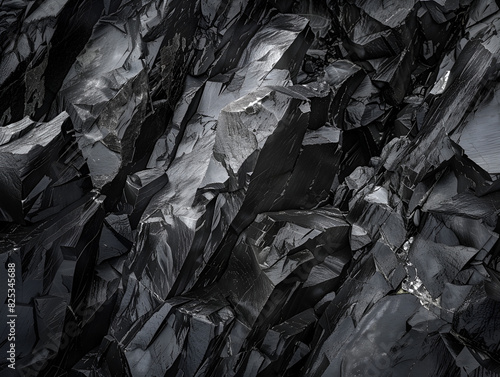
(250, 188)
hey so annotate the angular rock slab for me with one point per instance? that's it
(38, 166)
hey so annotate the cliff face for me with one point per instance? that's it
(251, 188)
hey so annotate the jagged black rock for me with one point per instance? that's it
(251, 188)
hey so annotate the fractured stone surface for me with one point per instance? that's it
(251, 188)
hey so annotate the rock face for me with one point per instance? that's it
(250, 188)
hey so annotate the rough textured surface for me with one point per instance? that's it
(251, 188)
